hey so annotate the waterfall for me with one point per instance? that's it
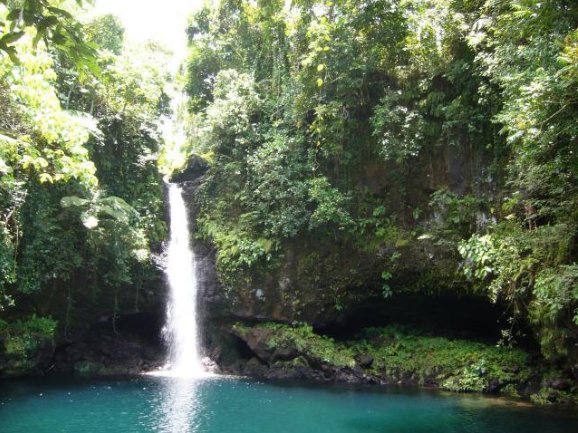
(180, 331)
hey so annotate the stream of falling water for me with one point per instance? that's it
(181, 330)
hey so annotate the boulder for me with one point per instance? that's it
(365, 361)
(258, 340)
(195, 168)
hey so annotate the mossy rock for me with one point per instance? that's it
(551, 396)
(405, 356)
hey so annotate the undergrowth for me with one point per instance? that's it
(399, 354)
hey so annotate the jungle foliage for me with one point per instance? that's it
(80, 193)
(435, 140)
(334, 119)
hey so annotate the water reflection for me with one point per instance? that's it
(179, 406)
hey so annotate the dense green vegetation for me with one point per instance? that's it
(80, 193)
(357, 150)
(384, 129)
(400, 354)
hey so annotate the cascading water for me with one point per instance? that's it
(181, 331)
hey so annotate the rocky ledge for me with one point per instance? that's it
(401, 356)
(129, 346)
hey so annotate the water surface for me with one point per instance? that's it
(173, 405)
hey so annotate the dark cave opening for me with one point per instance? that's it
(465, 317)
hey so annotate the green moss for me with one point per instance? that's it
(314, 346)
(403, 354)
(44, 326)
(468, 379)
(510, 390)
(549, 396)
(24, 341)
(23, 336)
(456, 365)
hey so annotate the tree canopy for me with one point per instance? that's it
(80, 190)
(333, 120)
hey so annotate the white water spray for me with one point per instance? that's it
(180, 331)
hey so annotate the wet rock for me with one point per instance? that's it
(558, 384)
(258, 341)
(255, 368)
(103, 352)
(493, 387)
(365, 361)
(283, 372)
(346, 375)
(210, 365)
(285, 353)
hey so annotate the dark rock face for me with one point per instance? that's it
(313, 286)
(301, 368)
(321, 278)
(196, 167)
(108, 356)
(287, 361)
(131, 346)
(258, 341)
(134, 348)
